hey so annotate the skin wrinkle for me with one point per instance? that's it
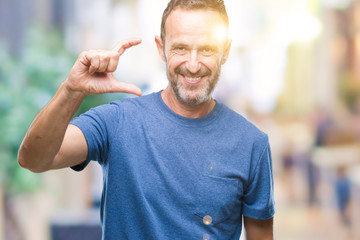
(193, 57)
(180, 91)
(192, 50)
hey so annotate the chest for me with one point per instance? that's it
(199, 174)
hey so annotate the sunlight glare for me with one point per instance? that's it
(220, 32)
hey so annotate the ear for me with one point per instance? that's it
(160, 47)
(226, 51)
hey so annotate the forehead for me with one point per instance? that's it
(194, 25)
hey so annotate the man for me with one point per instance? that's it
(176, 164)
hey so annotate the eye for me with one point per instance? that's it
(208, 51)
(180, 50)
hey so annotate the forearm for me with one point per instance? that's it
(259, 229)
(45, 135)
(49, 142)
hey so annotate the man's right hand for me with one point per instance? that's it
(92, 72)
(51, 142)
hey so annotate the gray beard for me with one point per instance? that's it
(203, 96)
(181, 95)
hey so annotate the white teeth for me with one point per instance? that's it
(192, 79)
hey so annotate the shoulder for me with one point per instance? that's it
(144, 101)
(115, 111)
(242, 126)
(125, 105)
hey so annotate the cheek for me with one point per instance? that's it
(212, 64)
(173, 62)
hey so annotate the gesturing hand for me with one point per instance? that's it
(92, 72)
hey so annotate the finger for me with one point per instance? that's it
(103, 63)
(112, 64)
(125, 88)
(125, 44)
(94, 63)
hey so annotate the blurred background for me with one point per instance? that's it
(294, 71)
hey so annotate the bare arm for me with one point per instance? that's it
(258, 229)
(44, 137)
(50, 141)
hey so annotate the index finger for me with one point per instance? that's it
(125, 44)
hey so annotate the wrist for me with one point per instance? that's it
(70, 93)
(68, 100)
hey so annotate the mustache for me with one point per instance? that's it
(203, 71)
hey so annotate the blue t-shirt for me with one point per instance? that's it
(170, 177)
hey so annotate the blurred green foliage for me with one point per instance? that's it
(26, 85)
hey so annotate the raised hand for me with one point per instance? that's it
(92, 72)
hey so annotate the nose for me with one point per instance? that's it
(193, 64)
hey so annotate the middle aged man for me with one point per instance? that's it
(177, 164)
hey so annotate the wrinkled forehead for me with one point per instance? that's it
(196, 23)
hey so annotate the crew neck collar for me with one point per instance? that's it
(192, 122)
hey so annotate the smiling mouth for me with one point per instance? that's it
(192, 79)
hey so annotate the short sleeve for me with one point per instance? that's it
(94, 126)
(258, 200)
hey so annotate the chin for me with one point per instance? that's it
(191, 95)
(193, 99)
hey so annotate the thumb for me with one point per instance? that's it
(125, 88)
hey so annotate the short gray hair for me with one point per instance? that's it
(215, 5)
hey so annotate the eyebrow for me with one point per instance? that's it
(175, 45)
(184, 45)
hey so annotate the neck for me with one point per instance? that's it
(184, 109)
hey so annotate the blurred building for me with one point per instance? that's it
(294, 69)
(17, 16)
